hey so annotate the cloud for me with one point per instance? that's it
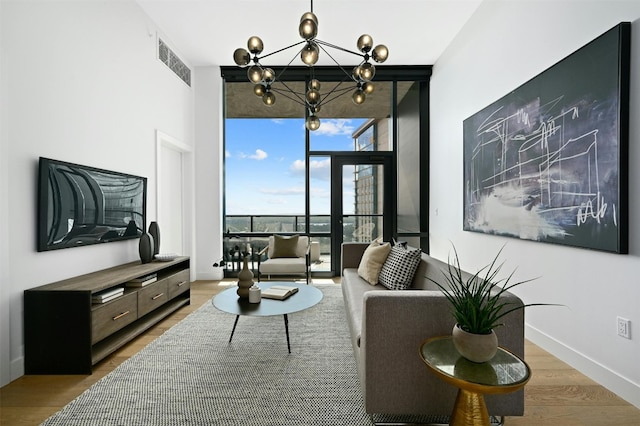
(259, 155)
(320, 169)
(336, 127)
(277, 121)
(227, 154)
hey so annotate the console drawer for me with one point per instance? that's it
(151, 297)
(178, 283)
(112, 316)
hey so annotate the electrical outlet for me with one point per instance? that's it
(624, 328)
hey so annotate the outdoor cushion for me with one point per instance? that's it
(284, 246)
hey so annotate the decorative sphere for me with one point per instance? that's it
(314, 84)
(312, 123)
(241, 57)
(269, 98)
(255, 73)
(380, 53)
(310, 15)
(368, 87)
(356, 73)
(268, 75)
(310, 53)
(308, 29)
(359, 97)
(259, 89)
(313, 97)
(255, 45)
(367, 71)
(365, 43)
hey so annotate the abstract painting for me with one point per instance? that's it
(548, 161)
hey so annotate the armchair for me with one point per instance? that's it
(285, 256)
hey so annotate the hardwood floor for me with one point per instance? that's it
(556, 393)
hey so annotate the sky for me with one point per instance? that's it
(265, 160)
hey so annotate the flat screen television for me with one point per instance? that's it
(81, 205)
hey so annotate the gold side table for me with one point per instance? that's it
(504, 373)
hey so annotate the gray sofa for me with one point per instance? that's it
(387, 328)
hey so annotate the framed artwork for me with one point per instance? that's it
(548, 161)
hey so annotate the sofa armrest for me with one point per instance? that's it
(394, 325)
(351, 254)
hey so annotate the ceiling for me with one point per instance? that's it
(206, 32)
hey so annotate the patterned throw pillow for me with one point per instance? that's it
(400, 267)
(372, 261)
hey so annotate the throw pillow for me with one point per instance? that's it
(285, 246)
(398, 270)
(372, 261)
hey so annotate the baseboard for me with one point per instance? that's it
(617, 384)
(17, 368)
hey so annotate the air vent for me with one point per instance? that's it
(170, 59)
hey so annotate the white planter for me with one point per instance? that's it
(475, 347)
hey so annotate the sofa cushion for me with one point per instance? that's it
(398, 270)
(372, 261)
(285, 246)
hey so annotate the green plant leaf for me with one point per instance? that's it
(476, 302)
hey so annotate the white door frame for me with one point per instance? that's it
(163, 140)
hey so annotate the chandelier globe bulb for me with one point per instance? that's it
(254, 73)
(365, 43)
(269, 98)
(356, 73)
(308, 29)
(259, 89)
(309, 15)
(380, 53)
(241, 57)
(310, 53)
(268, 75)
(255, 45)
(314, 84)
(313, 97)
(367, 71)
(359, 97)
(312, 123)
(368, 87)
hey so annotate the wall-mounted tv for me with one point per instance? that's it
(80, 205)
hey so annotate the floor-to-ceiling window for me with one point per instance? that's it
(278, 175)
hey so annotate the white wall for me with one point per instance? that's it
(209, 164)
(502, 46)
(5, 350)
(80, 82)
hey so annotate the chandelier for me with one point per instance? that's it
(358, 80)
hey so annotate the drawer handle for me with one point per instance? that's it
(180, 284)
(117, 317)
(157, 296)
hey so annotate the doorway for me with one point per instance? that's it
(361, 199)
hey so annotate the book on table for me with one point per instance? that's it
(107, 295)
(142, 281)
(279, 292)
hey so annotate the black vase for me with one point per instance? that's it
(145, 248)
(154, 230)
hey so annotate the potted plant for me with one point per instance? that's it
(477, 306)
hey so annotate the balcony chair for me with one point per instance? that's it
(286, 255)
